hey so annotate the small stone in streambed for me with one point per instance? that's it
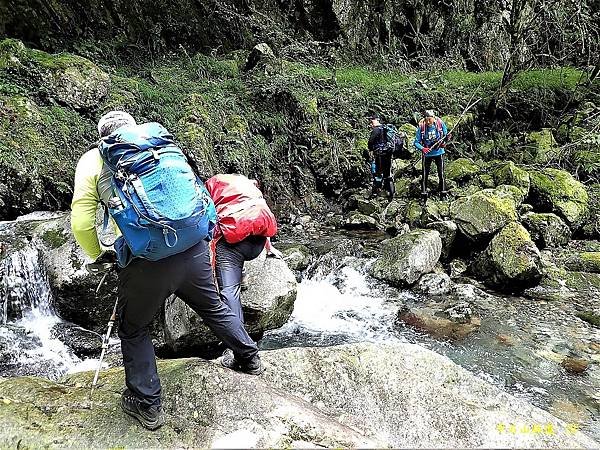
(505, 339)
(574, 365)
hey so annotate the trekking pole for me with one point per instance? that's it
(103, 265)
(105, 341)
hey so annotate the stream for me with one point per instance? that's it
(518, 347)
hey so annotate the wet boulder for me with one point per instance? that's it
(546, 229)
(443, 321)
(434, 284)
(359, 221)
(405, 258)
(480, 215)
(297, 257)
(84, 343)
(511, 174)
(267, 304)
(554, 190)
(511, 261)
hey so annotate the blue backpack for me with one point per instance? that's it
(158, 203)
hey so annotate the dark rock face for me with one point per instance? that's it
(474, 32)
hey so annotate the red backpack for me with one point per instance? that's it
(241, 209)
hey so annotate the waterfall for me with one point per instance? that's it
(24, 285)
(28, 345)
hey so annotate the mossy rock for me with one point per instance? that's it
(554, 190)
(482, 214)
(583, 262)
(405, 258)
(359, 221)
(418, 215)
(590, 317)
(542, 146)
(367, 207)
(511, 262)
(546, 229)
(591, 224)
(510, 173)
(462, 169)
(457, 122)
(411, 132)
(70, 79)
(512, 192)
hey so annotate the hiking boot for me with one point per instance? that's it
(253, 366)
(151, 417)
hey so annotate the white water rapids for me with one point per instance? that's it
(27, 342)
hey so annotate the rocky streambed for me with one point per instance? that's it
(537, 348)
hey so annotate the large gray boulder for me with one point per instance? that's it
(267, 304)
(511, 261)
(362, 395)
(479, 216)
(405, 258)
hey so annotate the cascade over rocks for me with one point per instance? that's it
(405, 258)
(511, 261)
(360, 395)
(554, 190)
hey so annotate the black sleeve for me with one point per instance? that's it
(375, 138)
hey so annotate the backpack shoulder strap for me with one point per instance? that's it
(438, 125)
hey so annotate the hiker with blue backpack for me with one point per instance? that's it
(430, 138)
(165, 217)
(384, 144)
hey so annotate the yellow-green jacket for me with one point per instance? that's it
(92, 186)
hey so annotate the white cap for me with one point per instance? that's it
(429, 113)
(110, 121)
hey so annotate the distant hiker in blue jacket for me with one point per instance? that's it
(430, 139)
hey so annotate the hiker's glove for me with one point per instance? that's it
(103, 263)
(274, 253)
(107, 256)
(426, 150)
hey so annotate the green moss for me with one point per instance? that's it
(541, 146)
(590, 317)
(54, 238)
(462, 169)
(510, 173)
(555, 190)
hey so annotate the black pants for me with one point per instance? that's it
(142, 289)
(229, 264)
(383, 172)
(439, 163)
